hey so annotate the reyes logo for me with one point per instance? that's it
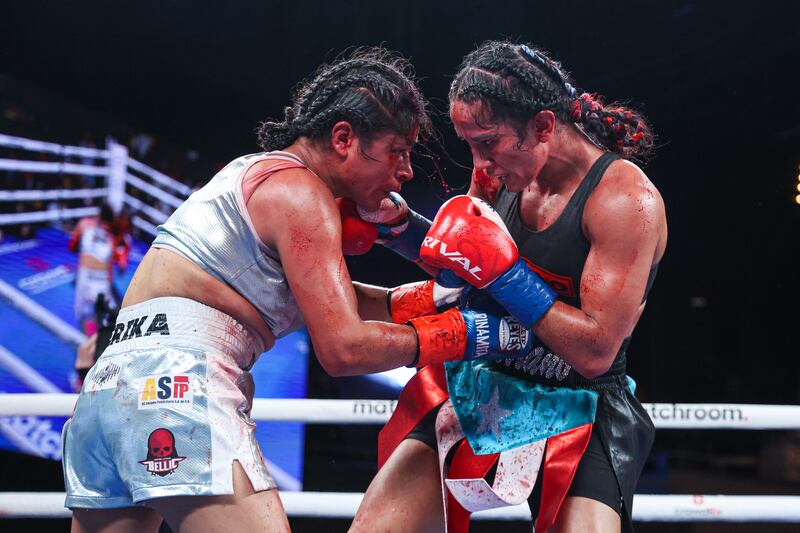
(165, 391)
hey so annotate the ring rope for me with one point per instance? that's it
(144, 225)
(50, 214)
(154, 191)
(646, 507)
(32, 145)
(159, 177)
(152, 213)
(52, 194)
(313, 411)
(51, 167)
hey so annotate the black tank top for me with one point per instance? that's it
(557, 254)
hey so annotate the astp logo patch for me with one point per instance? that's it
(165, 390)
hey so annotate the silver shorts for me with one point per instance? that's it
(165, 410)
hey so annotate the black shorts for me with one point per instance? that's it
(425, 431)
(594, 478)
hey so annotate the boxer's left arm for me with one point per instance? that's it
(625, 222)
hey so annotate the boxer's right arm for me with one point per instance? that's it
(297, 215)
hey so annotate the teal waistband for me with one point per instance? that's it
(499, 412)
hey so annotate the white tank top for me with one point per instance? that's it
(213, 230)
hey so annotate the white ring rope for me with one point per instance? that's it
(311, 411)
(52, 148)
(51, 167)
(27, 375)
(154, 214)
(52, 194)
(49, 215)
(154, 191)
(41, 315)
(144, 225)
(646, 507)
(158, 177)
(113, 164)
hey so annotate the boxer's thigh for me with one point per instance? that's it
(594, 501)
(126, 520)
(584, 515)
(406, 494)
(244, 511)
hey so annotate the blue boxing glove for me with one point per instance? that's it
(513, 338)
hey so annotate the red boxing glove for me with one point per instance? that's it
(469, 334)
(122, 248)
(121, 257)
(358, 235)
(469, 237)
(422, 298)
(440, 338)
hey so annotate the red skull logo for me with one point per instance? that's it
(162, 457)
(161, 444)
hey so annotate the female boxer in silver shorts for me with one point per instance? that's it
(162, 427)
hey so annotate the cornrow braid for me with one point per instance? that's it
(274, 135)
(549, 66)
(514, 82)
(373, 89)
(620, 129)
(368, 81)
(322, 75)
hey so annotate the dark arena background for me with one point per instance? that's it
(178, 87)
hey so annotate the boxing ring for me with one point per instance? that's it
(152, 196)
(126, 181)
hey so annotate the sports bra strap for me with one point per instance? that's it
(251, 183)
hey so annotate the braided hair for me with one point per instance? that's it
(372, 89)
(515, 82)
